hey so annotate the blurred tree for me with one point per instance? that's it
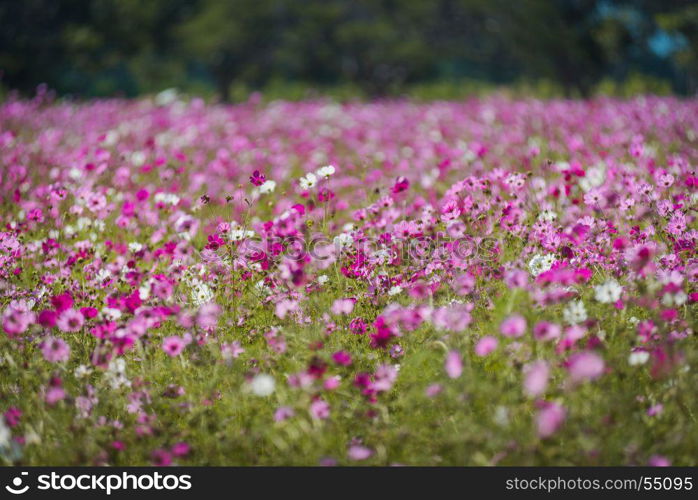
(235, 39)
(31, 49)
(680, 23)
(102, 47)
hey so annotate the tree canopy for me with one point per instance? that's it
(107, 47)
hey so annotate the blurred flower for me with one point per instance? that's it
(262, 385)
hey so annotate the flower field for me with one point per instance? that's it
(486, 282)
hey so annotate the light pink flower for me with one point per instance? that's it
(54, 395)
(545, 330)
(319, 409)
(343, 306)
(536, 378)
(16, 322)
(283, 413)
(585, 366)
(514, 326)
(207, 316)
(549, 419)
(659, 461)
(173, 345)
(453, 364)
(486, 345)
(358, 452)
(55, 350)
(433, 390)
(70, 320)
(286, 306)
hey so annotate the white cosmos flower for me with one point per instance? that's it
(267, 187)
(395, 290)
(5, 434)
(677, 299)
(262, 385)
(201, 293)
(541, 263)
(326, 171)
(638, 358)
(82, 371)
(608, 292)
(343, 240)
(138, 158)
(547, 215)
(111, 314)
(575, 312)
(103, 274)
(308, 181)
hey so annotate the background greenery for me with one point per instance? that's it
(347, 48)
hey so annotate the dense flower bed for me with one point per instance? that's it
(479, 282)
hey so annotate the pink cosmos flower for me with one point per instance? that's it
(544, 330)
(70, 320)
(514, 326)
(659, 461)
(550, 418)
(358, 452)
(536, 378)
(384, 378)
(161, 458)
(486, 345)
(207, 316)
(231, 350)
(285, 307)
(173, 345)
(396, 351)
(54, 394)
(585, 366)
(343, 306)
(283, 413)
(453, 364)
(319, 409)
(55, 350)
(331, 383)
(357, 326)
(433, 390)
(16, 322)
(655, 410)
